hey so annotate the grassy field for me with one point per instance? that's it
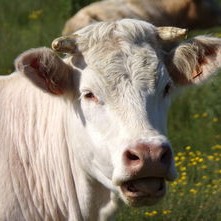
(194, 119)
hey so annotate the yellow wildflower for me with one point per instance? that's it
(204, 115)
(216, 147)
(193, 191)
(203, 167)
(215, 120)
(179, 154)
(210, 157)
(35, 14)
(195, 116)
(176, 158)
(150, 214)
(183, 168)
(187, 147)
(198, 184)
(166, 212)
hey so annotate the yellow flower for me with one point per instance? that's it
(174, 183)
(198, 184)
(166, 212)
(193, 191)
(155, 212)
(176, 158)
(216, 147)
(195, 116)
(203, 167)
(215, 119)
(150, 214)
(210, 157)
(200, 160)
(36, 14)
(198, 153)
(208, 185)
(179, 154)
(187, 147)
(183, 168)
(192, 154)
(182, 178)
(193, 163)
(204, 115)
(182, 158)
(183, 174)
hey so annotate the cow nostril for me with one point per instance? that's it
(166, 155)
(131, 156)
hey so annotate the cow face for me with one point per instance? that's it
(125, 118)
(122, 81)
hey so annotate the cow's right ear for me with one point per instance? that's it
(195, 60)
(47, 70)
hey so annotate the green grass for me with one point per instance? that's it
(194, 119)
(30, 24)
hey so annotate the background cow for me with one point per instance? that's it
(80, 133)
(185, 13)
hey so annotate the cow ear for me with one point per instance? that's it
(194, 61)
(46, 70)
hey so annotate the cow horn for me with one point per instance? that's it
(65, 44)
(171, 33)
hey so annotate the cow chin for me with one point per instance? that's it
(143, 192)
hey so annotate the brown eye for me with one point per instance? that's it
(90, 96)
(167, 89)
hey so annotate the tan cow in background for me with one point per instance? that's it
(182, 13)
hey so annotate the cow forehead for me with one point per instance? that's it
(140, 70)
(121, 53)
(114, 33)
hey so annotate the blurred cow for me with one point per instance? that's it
(80, 133)
(181, 13)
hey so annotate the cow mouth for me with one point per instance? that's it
(143, 192)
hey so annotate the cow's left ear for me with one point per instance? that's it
(46, 70)
(194, 61)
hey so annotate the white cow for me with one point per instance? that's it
(79, 134)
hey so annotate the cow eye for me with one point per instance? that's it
(167, 89)
(90, 96)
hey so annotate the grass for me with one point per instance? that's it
(31, 24)
(194, 119)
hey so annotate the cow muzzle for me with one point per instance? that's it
(148, 166)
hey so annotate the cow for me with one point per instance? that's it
(189, 14)
(84, 132)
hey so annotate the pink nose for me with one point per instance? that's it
(148, 160)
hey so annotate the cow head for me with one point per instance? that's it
(119, 80)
